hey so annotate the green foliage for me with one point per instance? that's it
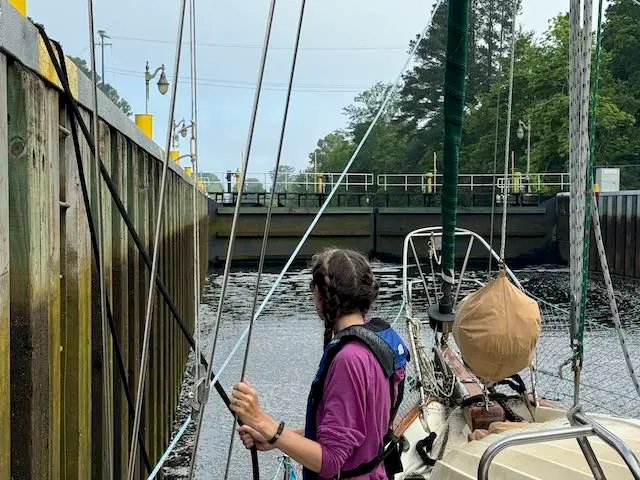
(411, 129)
(253, 185)
(212, 182)
(107, 89)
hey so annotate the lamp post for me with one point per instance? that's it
(520, 133)
(179, 128)
(163, 84)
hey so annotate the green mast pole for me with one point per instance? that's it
(454, 93)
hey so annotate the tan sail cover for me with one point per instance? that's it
(497, 328)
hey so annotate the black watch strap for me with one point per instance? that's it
(278, 433)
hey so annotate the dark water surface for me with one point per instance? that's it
(287, 345)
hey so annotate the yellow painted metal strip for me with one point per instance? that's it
(47, 70)
(20, 5)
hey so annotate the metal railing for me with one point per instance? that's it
(586, 428)
(428, 183)
(474, 181)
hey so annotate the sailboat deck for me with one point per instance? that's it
(561, 459)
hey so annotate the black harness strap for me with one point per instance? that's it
(386, 358)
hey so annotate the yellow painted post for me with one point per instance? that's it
(319, 184)
(20, 5)
(175, 156)
(517, 177)
(188, 171)
(429, 182)
(145, 122)
(237, 175)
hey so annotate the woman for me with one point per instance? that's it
(350, 408)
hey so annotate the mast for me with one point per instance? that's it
(454, 93)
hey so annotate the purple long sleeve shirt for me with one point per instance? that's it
(353, 415)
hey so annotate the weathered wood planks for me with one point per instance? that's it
(51, 372)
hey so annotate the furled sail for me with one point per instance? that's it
(497, 329)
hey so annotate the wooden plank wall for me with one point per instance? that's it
(620, 224)
(52, 422)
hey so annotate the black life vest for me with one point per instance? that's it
(392, 354)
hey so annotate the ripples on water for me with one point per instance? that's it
(287, 345)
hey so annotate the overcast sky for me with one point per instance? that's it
(346, 46)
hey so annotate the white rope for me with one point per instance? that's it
(404, 302)
(304, 238)
(505, 191)
(576, 209)
(106, 366)
(170, 448)
(156, 248)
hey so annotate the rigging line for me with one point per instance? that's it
(610, 293)
(321, 210)
(234, 224)
(580, 199)
(267, 225)
(257, 46)
(494, 178)
(589, 166)
(495, 146)
(156, 246)
(596, 219)
(106, 370)
(118, 202)
(193, 146)
(505, 191)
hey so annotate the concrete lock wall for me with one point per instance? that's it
(51, 375)
(378, 232)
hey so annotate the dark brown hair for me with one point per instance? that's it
(345, 283)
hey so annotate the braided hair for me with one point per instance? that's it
(345, 284)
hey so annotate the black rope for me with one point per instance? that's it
(130, 227)
(96, 255)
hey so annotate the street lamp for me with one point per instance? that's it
(163, 84)
(520, 133)
(179, 128)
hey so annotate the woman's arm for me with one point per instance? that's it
(292, 442)
(343, 426)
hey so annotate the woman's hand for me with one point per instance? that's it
(251, 437)
(244, 402)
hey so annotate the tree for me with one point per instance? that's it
(286, 174)
(253, 185)
(107, 89)
(540, 94)
(212, 182)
